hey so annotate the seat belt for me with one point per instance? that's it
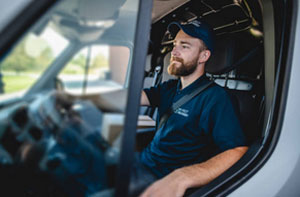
(182, 101)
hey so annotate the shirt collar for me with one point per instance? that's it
(201, 80)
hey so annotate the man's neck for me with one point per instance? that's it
(187, 80)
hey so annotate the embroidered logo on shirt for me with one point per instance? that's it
(183, 112)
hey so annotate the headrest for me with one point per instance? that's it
(223, 58)
(234, 50)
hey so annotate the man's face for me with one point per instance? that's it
(185, 55)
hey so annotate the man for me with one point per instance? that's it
(203, 137)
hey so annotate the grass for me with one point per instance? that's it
(15, 83)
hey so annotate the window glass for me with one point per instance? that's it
(70, 73)
(28, 60)
(96, 69)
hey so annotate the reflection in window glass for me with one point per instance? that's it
(118, 61)
(29, 59)
(96, 69)
(66, 132)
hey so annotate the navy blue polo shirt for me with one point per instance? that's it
(201, 128)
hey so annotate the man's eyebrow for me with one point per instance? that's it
(185, 42)
(181, 42)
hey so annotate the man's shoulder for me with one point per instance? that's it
(216, 94)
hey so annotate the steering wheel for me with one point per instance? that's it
(48, 111)
(71, 141)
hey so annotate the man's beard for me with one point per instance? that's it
(184, 69)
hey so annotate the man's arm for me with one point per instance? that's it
(177, 182)
(112, 101)
(144, 99)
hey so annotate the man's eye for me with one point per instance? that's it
(185, 46)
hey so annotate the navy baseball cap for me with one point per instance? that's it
(196, 29)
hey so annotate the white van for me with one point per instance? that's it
(61, 132)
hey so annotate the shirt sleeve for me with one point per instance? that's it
(157, 93)
(226, 128)
(153, 94)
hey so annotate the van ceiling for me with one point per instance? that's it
(164, 7)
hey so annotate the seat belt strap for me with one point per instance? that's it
(182, 101)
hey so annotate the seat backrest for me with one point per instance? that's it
(223, 66)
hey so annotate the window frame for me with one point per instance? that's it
(135, 84)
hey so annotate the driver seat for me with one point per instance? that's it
(229, 66)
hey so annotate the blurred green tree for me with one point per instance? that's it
(19, 61)
(99, 61)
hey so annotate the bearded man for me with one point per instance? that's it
(203, 137)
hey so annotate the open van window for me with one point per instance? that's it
(255, 43)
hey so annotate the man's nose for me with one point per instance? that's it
(174, 51)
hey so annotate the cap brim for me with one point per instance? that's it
(174, 28)
(206, 34)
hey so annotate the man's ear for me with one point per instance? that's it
(204, 56)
